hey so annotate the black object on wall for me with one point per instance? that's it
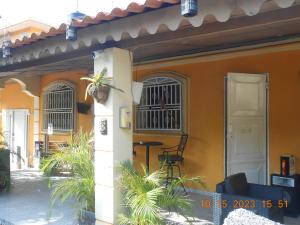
(83, 107)
(291, 193)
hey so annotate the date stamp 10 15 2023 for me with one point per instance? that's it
(246, 204)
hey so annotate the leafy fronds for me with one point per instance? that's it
(145, 196)
(99, 79)
(3, 143)
(78, 157)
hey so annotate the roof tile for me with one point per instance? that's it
(99, 18)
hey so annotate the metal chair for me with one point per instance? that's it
(172, 158)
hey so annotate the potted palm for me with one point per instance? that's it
(146, 196)
(79, 158)
(99, 86)
(4, 164)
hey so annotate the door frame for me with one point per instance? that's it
(27, 111)
(267, 163)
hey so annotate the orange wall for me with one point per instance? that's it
(205, 149)
(12, 97)
(18, 34)
(82, 121)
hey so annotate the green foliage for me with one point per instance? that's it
(99, 79)
(145, 196)
(78, 157)
(3, 143)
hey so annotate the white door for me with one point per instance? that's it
(246, 126)
(16, 131)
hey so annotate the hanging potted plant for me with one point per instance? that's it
(99, 86)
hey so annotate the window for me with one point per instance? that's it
(58, 107)
(161, 106)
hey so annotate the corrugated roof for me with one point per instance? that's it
(115, 13)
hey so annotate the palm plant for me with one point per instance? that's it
(3, 143)
(79, 158)
(146, 196)
(4, 164)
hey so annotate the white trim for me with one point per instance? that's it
(26, 133)
(48, 89)
(218, 55)
(266, 125)
(65, 82)
(149, 22)
(183, 80)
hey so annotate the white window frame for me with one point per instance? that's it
(156, 82)
(57, 109)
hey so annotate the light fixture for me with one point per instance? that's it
(189, 8)
(50, 129)
(6, 49)
(137, 89)
(71, 31)
(6, 44)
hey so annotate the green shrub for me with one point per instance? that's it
(145, 196)
(78, 157)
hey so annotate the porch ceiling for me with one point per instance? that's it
(85, 63)
(270, 26)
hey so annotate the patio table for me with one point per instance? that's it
(147, 144)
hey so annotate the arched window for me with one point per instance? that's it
(161, 106)
(58, 107)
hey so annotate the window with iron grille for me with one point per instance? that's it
(160, 108)
(58, 107)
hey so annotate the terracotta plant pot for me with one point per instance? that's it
(101, 94)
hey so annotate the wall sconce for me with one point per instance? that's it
(124, 117)
(6, 49)
(71, 31)
(189, 8)
(50, 129)
(137, 90)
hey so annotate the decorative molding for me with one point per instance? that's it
(29, 85)
(144, 24)
(219, 55)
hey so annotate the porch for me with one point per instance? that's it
(29, 203)
(202, 109)
(204, 154)
(180, 55)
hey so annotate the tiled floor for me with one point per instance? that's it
(28, 202)
(292, 221)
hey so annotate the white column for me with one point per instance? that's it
(116, 145)
(36, 129)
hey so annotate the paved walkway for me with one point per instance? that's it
(28, 202)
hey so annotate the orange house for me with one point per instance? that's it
(228, 77)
